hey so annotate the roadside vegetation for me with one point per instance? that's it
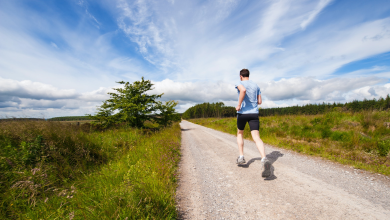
(359, 139)
(51, 170)
(118, 167)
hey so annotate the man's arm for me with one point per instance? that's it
(259, 100)
(241, 97)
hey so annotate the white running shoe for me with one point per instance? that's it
(240, 160)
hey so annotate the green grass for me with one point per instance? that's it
(361, 140)
(51, 170)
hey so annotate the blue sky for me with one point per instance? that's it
(61, 58)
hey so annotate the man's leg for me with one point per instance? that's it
(264, 161)
(241, 122)
(258, 141)
(240, 141)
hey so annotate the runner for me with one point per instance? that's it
(249, 96)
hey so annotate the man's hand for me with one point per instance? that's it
(238, 108)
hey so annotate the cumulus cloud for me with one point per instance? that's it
(370, 92)
(309, 88)
(96, 95)
(45, 104)
(33, 90)
(9, 101)
(27, 95)
(195, 91)
(281, 93)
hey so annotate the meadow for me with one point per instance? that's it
(54, 170)
(360, 139)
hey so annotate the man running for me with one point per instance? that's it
(249, 96)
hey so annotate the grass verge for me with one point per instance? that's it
(361, 140)
(52, 170)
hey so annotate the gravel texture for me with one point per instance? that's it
(212, 186)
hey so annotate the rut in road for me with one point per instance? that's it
(212, 186)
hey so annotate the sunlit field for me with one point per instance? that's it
(361, 140)
(57, 170)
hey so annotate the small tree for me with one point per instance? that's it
(133, 106)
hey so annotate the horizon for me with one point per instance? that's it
(62, 57)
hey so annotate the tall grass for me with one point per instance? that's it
(53, 170)
(360, 139)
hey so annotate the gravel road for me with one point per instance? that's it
(212, 186)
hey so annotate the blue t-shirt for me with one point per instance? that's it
(249, 104)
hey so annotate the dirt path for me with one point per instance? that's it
(212, 186)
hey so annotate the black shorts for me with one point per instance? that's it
(252, 119)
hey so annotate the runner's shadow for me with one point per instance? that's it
(272, 157)
(249, 162)
(185, 129)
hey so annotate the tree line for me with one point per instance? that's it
(207, 110)
(219, 110)
(314, 109)
(70, 118)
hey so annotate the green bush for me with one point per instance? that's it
(340, 136)
(326, 132)
(384, 147)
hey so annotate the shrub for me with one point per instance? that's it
(341, 136)
(384, 147)
(326, 132)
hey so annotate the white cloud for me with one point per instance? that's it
(313, 14)
(54, 45)
(370, 92)
(197, 43)
(195, 91)
(338, 46)
(33, 90)
(27, 99)
(98, 95)
(308, 88)
(82, 58)
(281, 93)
